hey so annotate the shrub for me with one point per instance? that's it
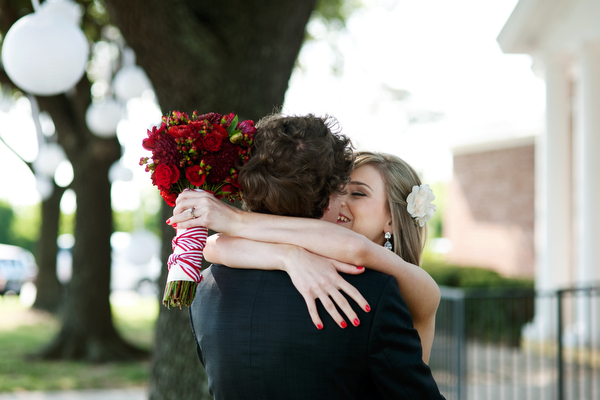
(496, 307)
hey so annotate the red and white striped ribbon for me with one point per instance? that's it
(187, 255)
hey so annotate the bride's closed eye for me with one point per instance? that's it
(358, 194)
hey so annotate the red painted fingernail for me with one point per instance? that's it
(356, 322)
(360, 267)
(343, 324)
(169, 221)
(174, 225)
(319, 326)
(367, 308)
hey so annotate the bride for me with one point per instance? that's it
(385, 208)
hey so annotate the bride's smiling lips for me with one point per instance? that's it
(342, 219)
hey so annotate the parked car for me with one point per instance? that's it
(135, 265)
(17, 266)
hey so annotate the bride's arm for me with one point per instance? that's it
(419, 290)
(315, 277)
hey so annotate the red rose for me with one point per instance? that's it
(236, 183)
(196, 126)
(165, 175)
(228, 118)
(199, 143)
(195, 175)
(179, 131)
(149, 143)
(170, 198)
(220, 131)
(212, 142)
(226, 190)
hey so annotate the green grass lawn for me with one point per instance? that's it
(24, 331)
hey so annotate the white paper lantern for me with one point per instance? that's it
(119, 172)
(49, 158)
(64, 174)
(45, 54)
(142, 247)
(65, 8)
(130, 82)
(103, 117)
(44, 186)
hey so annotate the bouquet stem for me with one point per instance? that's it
(179, 293)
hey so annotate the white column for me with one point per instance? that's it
(553, 197)
(588, 189)
(558, 187)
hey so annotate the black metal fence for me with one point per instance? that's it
(518, 344)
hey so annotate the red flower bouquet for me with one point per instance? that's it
(201, 152)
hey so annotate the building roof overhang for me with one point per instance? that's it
(536, 26)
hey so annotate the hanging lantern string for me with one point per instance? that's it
(35, 4)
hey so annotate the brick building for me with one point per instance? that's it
(490, 215)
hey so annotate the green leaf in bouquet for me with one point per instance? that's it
(233, 125)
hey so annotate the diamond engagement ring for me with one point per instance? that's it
(191, 210)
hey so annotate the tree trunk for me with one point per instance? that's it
(222, 56)
(49, 288)
(87, 331)
(176, 372)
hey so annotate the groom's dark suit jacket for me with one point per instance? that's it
(257, 341)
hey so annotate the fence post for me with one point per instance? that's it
(559, 338)
(459, 331)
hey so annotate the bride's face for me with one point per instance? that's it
(365, 209)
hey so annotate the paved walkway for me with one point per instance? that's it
(91, 394)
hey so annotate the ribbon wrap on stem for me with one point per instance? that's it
(185, 266)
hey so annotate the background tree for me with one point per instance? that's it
(49, 289)
(223, 56)
(87, 332)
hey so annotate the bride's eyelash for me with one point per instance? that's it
(358, 194)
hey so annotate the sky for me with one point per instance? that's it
(402, 62)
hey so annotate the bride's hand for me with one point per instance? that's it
(199, 208)
(317, 277)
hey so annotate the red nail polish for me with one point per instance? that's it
(319, 326)
(174, 225)
(360, 267)
(367, 308)
(343, 324)
(169, 221)
(356, 322)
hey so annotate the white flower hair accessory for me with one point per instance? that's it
(419, 204)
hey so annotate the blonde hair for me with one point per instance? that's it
(399, 178)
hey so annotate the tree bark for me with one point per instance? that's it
(222, 56)
(87, 332)
(49, 288)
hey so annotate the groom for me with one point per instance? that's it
(252, 330)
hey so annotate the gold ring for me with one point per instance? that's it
(191, 210)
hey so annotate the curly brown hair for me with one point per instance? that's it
(296, 164)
